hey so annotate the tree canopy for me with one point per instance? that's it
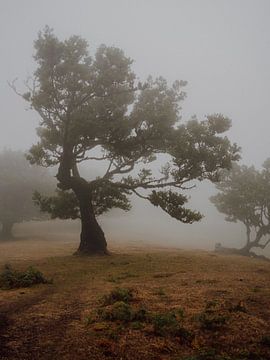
(95, 109)
(18, 181)
(245, 197)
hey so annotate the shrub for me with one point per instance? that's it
(211, 321)
(210, 318)
(240, 307)
(118, 311)
(141, 315)
(170, 324)
(119, 294)
(266, 340)
(12, 279)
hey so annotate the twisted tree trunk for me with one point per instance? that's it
(246, 250)
(92, 239)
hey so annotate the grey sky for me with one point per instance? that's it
(221, 47)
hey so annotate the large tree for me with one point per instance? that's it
(245, 197)
(94, 109)
(18, 181)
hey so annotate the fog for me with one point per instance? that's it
(221, 47)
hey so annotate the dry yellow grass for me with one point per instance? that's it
(53, 321)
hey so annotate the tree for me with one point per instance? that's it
(94, 109)
(245, 197)
(18, 181)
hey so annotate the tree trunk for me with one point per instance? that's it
(92, 237)
(6, 232)
(245, 250)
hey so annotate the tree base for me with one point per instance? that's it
(92, 253)
(242, 252)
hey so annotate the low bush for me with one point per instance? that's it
(212, 318)
(266, 340)
(169, 324)
(119, 294)
(119, 311)
(12, 279)
(211, 321)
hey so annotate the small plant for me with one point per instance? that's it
(160, 292)
(266, 340)
(210, 318)
(12, 279)
(119, 294)
(240, 307)
(137, 325)
(89, 320)
(211, 321)
(118, 311)
(170, 324)
(141, 314)
(120, 277)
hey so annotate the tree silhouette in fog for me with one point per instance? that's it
(245, 197)
(18, 181)
(95, 109)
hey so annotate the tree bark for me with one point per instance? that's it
(6, 232)
(92, 239)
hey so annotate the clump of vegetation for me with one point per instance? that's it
(141, 314)
(160, 292)
(170, 323)
(266, 340)
(118, 294)
(120, 277)
(121, 311)
(240, 307)
(210, 318)
(116, 307)
(12, 279)
(118, 311)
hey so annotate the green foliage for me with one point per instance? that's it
(172, 203)
(11, 279)
(170, 324)
(118, 294)
(266, 340)
(211, 319)
(93, 109)
(245, 196)
(160, 291)
(119, 311)
(116, 307)
(65, 205)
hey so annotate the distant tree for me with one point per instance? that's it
(94, 109)
(245, 197)
(18, 181)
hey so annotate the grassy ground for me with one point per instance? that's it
(223, 302)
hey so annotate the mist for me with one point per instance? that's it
(134, 179)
